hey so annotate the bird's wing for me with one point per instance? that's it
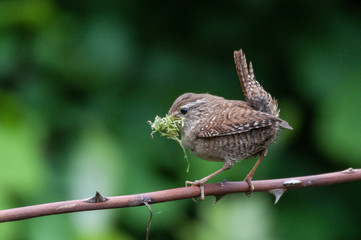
(233, 120)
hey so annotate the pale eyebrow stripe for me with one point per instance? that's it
(191, 104)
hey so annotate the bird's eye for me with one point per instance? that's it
(184, 110)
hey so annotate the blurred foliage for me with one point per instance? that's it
(79, 80)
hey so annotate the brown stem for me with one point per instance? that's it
(215, 189)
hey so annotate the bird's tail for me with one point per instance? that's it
(254, 93)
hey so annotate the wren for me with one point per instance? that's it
(217, 129)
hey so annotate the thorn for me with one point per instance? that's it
(277, 193)
(218, 197)
(97, 198)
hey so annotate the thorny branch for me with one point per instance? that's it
(274, 186)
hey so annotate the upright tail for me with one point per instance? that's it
(254, 93)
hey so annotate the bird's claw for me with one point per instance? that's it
(251, 187)
(201, 187)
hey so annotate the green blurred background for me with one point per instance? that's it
(80, 79)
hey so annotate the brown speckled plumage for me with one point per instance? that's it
(223, 130)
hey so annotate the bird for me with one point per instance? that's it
(222, 130)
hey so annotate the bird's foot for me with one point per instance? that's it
(201, 187)
(248, 179)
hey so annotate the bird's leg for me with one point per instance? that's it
(249, 177)
(227, 165)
